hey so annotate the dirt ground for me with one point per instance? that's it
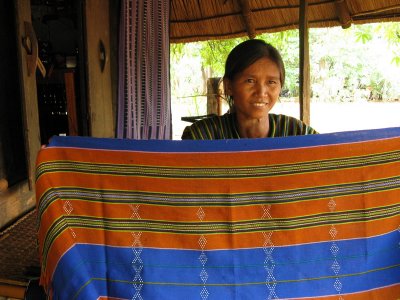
(325, 117)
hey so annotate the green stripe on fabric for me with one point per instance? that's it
(230, 200)
(219, 172)
(205, 284)
(211, 228)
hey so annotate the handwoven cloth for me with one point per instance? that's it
(144, 104)
(313, 217)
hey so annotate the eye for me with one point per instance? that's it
(272, 82)
(250, 80)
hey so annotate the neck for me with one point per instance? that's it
(255, 128)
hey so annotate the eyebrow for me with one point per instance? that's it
(252, 75)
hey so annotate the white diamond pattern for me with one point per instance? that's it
(203, 276)
(269, 264)
(135, 213)
(203, 258)
(204, 293)
(202, 242)
(137, 262)
(333, 232)
(201, 214)
(336, 267)
(332, 205)
(338, 285)
(266, 213)
(68, 208)
(268, 247)
(335, 250)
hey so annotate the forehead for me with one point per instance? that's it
(262, 66)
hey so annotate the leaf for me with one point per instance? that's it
(363, 36)
(396, 60)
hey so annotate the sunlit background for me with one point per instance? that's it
(355, 76)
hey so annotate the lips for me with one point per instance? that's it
(260, 104)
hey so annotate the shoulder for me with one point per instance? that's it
(214, 127)
(283, 125)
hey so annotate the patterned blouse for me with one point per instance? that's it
(225, 127)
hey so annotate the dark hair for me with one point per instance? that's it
(247, 53)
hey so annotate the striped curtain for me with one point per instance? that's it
(144, 102)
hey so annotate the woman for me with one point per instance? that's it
(254, 77)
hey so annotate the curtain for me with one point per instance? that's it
(144, 102)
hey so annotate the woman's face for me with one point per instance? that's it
(255, 90)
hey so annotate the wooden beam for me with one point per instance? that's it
(376, 11)
(30, 110)
(12, 289)
(304, 76)
(246, 14)
(343, 13)
(15, 201)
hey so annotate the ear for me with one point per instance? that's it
(227, 87)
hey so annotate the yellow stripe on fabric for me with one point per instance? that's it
(212, 228)
(219, 172)
(207, 199)
(247, 283)
(195, 227)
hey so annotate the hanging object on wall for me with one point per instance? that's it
(30, 44)
(144, 104)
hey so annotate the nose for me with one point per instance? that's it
(262, 89)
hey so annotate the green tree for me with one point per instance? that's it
(214, 54)
(343, 62)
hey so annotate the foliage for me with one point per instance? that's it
(287, 44)
(363, 34)
(214, 54)
(361, 62)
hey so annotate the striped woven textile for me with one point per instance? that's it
(304, 217)
(144, 104)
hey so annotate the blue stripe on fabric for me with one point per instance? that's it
(299, 271)
(224, 145)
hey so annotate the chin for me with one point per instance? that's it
(259, 116)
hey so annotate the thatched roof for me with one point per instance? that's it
(196, 20)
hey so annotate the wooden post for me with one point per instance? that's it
(304, 76)
(214, 100)
(98, 68)
(69, 78)
(246, 13)
(343, 13)
(30, 111)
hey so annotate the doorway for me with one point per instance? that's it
(61, 89)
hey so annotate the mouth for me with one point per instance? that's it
(260, 104)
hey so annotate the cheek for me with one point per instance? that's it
(241, 91)
(275, 93)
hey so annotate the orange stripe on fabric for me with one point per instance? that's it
(189, 214)
(233, 241)
(287, 237)
(216, 241)
(383, 293)
(173, 241)
(237, 158)
(224, 185)
(219, 213)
